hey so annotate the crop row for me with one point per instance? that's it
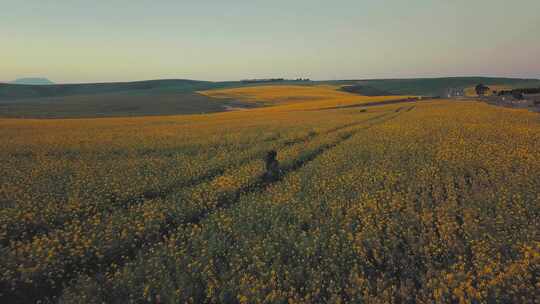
(418, 209)
(163, 177)
(49, 260)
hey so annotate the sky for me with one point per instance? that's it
(71, 41)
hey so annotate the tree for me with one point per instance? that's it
(517, 95)
(481, 89)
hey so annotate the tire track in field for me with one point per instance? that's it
(48, 291)
(261, 184)
(117, 202)
(150, 194)
(213, 173)
(376, 103)
(227, 200)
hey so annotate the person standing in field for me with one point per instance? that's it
(272, 167)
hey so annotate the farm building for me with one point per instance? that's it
(454, 92)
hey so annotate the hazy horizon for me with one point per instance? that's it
(69, 42)
(291, 78)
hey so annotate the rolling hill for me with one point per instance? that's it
(140, 98)
(19, 91)
(180, 96)
(437, 86)
(365, 90)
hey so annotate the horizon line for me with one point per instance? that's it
(284, 79)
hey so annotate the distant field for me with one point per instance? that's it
(426, 202)
(10, 92)
(115, 105)
(364, 90)
(156, 97)
(279, 94)
(160, 97)
(142, 103)
(177, 96)
(295, 97)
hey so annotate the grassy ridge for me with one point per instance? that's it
(437, 86)
(157, 97)
(16, 91)
(118, 104)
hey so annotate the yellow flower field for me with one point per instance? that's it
(428, 201)
(296, 97)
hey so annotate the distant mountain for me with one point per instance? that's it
(33, 81)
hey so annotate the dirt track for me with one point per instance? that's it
(377, 103)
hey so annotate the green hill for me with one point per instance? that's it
(140, 98)
(437, 86)
(115, 105)
(17, 91)
(365, 90)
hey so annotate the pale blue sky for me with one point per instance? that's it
(86, 41)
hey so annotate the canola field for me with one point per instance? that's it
(429, 201)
